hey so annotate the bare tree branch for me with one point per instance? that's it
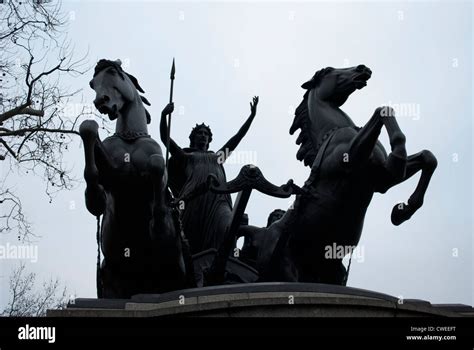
(25, 298)
(12, 152)
(22, 132)
(23, 109)
(13, 217)
(39, 115)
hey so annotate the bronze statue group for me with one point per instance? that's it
(168, 225)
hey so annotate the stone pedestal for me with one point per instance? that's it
(262, 300)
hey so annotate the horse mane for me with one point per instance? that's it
(307, 151)
(309, 139)
(145, 101)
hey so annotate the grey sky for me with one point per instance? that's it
(421, 58)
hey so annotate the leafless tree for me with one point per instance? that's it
(36, 125)
(26, 300)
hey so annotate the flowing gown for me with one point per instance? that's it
(206, 217)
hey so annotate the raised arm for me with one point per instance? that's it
(234, 141)
(175, 150)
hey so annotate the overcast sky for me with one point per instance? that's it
(421, 58)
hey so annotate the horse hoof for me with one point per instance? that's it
(89, 128)
(400, 213)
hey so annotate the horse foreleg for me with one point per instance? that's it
(397, 159)
(362, 145)
(427, 163)
(95, 195)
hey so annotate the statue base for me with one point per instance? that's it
(262, 300)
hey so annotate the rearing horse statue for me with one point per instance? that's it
(126, 183)
(348, 165)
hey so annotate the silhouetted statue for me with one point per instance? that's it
(348, 165)
(205, 218)
(126, 183)
(275, 215)
(253, 238)
(142, 238)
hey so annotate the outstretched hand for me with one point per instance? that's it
(168, 109)
(253, 105)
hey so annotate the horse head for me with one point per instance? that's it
(335, 85)
(115, 89)
(319, 111)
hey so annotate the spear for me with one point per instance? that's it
(169, 115)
